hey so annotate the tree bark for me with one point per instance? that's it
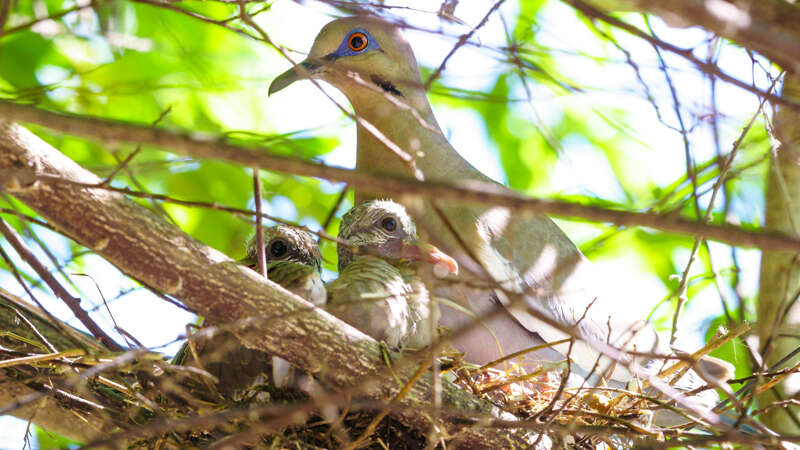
(768, 27)
(778, 309)
(149, 249)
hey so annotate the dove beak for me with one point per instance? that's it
(302, 71)
(417, 251)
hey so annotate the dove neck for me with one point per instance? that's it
(408, 123)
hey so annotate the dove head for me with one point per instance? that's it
(285, 243)
(364, 57)
(383, 228)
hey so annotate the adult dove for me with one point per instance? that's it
(540, 272)
(294, 262)
(380, 288)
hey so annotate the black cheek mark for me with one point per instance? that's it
(386, 85)
(330, 57)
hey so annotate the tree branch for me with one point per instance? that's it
(769, 27)
(73, 303)
(146, 247)
(48, 412)
(475, 192)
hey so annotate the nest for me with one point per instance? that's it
(156, 404)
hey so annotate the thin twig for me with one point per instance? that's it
(335, 208)
(717, 186)
(72, 303)
(4, 256)
(260, 255)
(461, 41)
(423, 367)
(688, 54)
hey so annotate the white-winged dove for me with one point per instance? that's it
(380, 288)
(371, 62)
(293, 261)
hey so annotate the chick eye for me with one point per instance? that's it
(278, 249)
(389, 224)
(357, 41)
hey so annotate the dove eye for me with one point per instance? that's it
(278, 248)
(357, 41)
(389, 224)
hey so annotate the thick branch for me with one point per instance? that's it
(778, 309)
(769, 27)
(149, 249)
(476, 192)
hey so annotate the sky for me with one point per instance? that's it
(580, 169)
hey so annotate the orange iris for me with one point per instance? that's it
(357, 42)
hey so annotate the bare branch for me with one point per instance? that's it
(766, 26)
(711, 69)
(73, 303)
(474, 192)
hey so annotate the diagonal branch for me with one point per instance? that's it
(146, 247)
(27, 322)
(767, 26)
(711, 69)
(73, 303)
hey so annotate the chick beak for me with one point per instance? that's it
(301, 71)
(417, 251)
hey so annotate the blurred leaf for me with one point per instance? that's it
(47, 440)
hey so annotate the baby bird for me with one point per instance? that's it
(293, 261)
(380, 289)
